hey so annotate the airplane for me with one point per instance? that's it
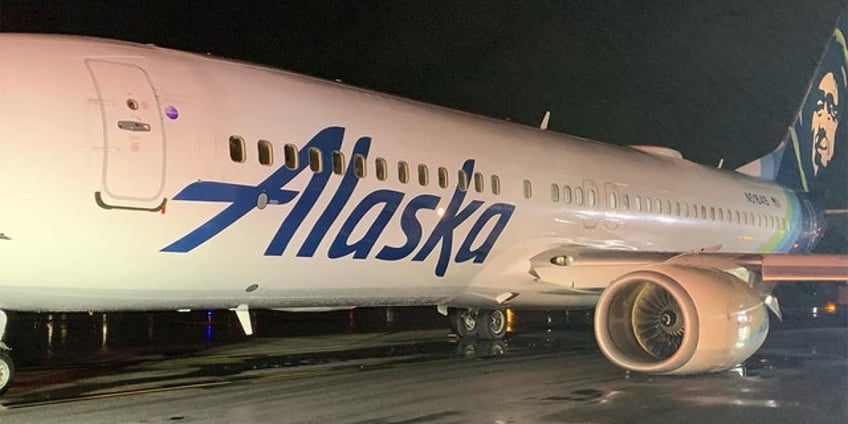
(139, 178)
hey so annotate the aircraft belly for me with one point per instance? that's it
(52, 299)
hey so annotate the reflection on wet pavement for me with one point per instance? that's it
(71, 356)
(409, 368)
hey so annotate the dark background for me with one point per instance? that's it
(713, 79)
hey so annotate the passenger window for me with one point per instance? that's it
(677, 208)
(423, 175)
(658, 206)
(625, 201)
(647, 204)
(443, 177)
(338, 163)
(612, 201)
(555, 192)
(290, 156)
(315, 159)
(382, 169)
(528, 189)
(359, 165)
(462, 180)
(496, 184)
(266, 154)
(720, 214)
(712, 213)
(578, 196)
(738, 218)
(478, 182)
(668, 207)
(590, 196)
(566, 194)
(403, 172)
(637, 203)
(685, 207)
(237, 149)
(703, 212)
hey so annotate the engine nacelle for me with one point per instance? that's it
(679, 319)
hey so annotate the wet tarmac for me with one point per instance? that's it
(393, 375)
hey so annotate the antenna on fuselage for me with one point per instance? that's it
(545, 120)
(720, 163)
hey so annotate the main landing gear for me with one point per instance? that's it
(7, 367)
(480, 323)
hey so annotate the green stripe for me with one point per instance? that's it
(798, 157)
(780, 233)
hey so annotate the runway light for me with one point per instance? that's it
(830, 308)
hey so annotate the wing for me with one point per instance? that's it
(554, 276)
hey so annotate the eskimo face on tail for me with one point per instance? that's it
(824, 118)
(815, 136)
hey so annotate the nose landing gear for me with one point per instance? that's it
(7, 367)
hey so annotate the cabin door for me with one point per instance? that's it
(133, 139)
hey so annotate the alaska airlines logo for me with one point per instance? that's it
(243, 199)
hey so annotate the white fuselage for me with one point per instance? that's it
(69, 129)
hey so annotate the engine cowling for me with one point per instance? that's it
(679, 319)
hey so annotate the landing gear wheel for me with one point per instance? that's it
(464, 322)
(492, 324)
(7, 371)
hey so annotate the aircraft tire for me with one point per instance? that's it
(7, 371)
(464, 322)
(491, 324)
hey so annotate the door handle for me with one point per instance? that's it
(134, 126)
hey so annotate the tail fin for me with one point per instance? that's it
(806, 152)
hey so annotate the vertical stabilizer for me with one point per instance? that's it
(806, 152)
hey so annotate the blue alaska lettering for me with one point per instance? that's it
(384, 203)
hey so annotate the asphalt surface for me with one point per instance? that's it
(425, 376)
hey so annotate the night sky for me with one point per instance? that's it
(713, 79)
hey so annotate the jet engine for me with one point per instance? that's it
(679, 319)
